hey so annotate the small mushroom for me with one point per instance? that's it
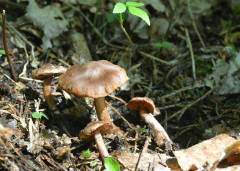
(96, 79)
(146, 107)
(46, 74)
(94, 130)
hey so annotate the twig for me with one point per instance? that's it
(180, 112)
(12, 69)
(119, 99)
(144, 149)
(191, 53)
(16, 32)
(119, 114)
(195, 26)
(154, 58)
(196, 85)
(97, 31)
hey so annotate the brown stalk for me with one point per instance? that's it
(5, 46)
(101, 109)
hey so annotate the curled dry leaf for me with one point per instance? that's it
(231, 168)
(231, 156)
(205, 154)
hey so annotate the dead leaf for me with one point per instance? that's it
(204, 154)
(225, 77)
(50, 19)
(232, 155)
(82, 53)
(232, 168)
(152, 161)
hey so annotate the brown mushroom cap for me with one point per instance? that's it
(47, 70)
(93, 128)
(94, 79)
(142, 103)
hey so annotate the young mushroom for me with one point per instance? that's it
(96, 79)
(46, 73)
(94, 130)
(146, 107)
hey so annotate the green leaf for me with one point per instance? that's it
(87, 154)
(39, 115)
(111, 164)
(134, 4)
(119, 8)
(2, 52)
(163, 45)
(139, 13)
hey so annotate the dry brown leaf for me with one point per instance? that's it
(129, 161)
(231, 168)
(204, 154)
(6, 132)
(232, 155)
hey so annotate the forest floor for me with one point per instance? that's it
(187, 61)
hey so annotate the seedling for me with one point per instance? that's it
(2, 52)
(111, 164)
(39, 115)
(133, 8)
(87, 154)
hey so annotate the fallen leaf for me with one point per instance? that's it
(232, 155)
(148, 161)
(50, 19)
(204, 154)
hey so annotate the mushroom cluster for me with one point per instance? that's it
(98, 79)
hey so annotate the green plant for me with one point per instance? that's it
(39, 115)
(111, 164)
(163, 45)
(2, 52)
(134, 9)
(87, 154)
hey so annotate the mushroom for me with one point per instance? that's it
(146, 107)
(94, 130)
(96, 79)
(46, 74)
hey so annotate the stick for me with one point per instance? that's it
(191, 53)
(14, 76)
(180, 112)
(144, 149)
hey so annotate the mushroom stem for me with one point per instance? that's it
(101, 146)
(159, 132)
(101, 109)
(47, 93)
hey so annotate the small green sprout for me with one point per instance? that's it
(111, 164)
(133, 8)
(87, 154)
(2, 52)
(39, 115)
